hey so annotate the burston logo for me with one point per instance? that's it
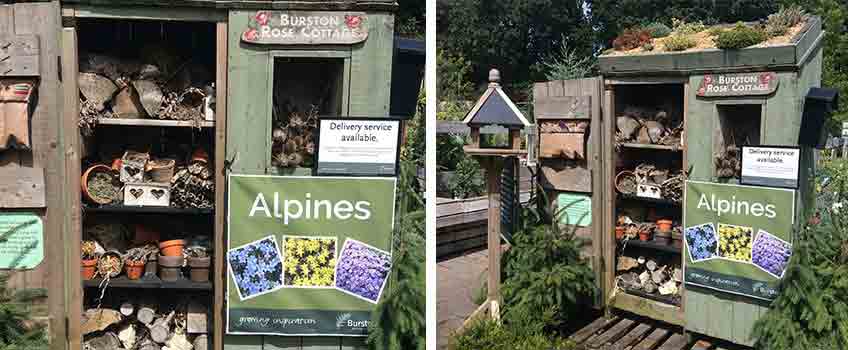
(342, 319)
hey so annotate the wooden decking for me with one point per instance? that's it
(624, 333)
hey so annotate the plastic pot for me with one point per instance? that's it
(152, 265)
(619, 232)
(169, 267)
(173, 247)
(664, 225)
(662, 237)
(89, 268)
(644, 236)
(199, 268)
(134, 269)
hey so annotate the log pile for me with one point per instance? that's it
(648, 126)
(154, 87)
(650, 276)
(143, 327)
(728, 162)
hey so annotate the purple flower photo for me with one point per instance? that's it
(362, 270)
(771, 253)
(256, 267)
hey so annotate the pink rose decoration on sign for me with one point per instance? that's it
(262, 18)
(765, 78)
(702, 91)
(353, 22)
(250, 35)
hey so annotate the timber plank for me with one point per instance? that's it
(280, 343)
(611, 334)
(22, 187)
(370, 68)
(220, 178)
(584, 333)
(631, 337)
(652, 340)
(676, 342)
(563, 107)
(321, 343)
(354, 343)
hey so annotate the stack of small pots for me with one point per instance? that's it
(662, 234)
(171, 259)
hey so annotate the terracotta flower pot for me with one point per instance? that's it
(619, 232)
(664, 225)
(173, 247)
(199, 269)
(134, 269)
(84, 183)
(89, 268)
(644, 236)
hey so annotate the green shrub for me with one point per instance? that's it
(17, 330)
(522, 331)
(779, 23)
(657, 30)
(679, 42)
(544, 271)
(686, 28)
(631, 39)
(467, 181)
(740, 36)
(715, 31)
(811, 311)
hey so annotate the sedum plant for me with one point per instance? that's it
(657, 30)
(679, 42)
(779, 23)
(740, 36)
(310, 261)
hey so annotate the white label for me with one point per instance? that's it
(355, 146)
(770, 166)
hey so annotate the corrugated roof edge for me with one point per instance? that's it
(310, 5)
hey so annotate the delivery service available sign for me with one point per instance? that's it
(307, 255)
(738, 238)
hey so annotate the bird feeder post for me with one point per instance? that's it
(494, 108)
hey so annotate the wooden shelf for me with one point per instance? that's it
(149, 282)
(650, 308)
(647, 199)
(146, 210)
(652, 245)
(154, 122)
(651, 146)
(653, 296)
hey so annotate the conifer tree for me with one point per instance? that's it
(17, 332)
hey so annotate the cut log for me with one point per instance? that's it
(127, 336)
(179, 342)
(99, 319)
(659, 276)
(107, 341)
(160, 331)
(96, 89)
(127, 104)
(150, 95)
(127, 309)
(201, 342)
(146, 314)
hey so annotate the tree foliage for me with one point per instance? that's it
(17, 330)
(511, 35)
(811, 309)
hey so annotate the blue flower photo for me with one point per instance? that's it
(257, 267)
(701, 241)
(362, 270)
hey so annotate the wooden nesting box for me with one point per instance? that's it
(147, 194)
(563, 126)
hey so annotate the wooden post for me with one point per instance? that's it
(475, 137)
(515, 138)
(493, 166)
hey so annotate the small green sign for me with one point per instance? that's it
(307, 255)
(738, 238)
(577, 209)
(21, 240)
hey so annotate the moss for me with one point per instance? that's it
(739, 37)
(679, 42)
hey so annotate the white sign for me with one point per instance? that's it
(358, 147)
(770, 166)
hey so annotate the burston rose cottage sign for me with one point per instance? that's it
(306, 27)
(742, 84)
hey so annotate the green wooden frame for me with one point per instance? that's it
(762, 102)
(343, 53)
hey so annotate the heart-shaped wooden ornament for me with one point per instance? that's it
(136, 192)
(157, 193)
